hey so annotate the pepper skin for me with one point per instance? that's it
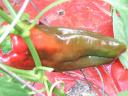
(19, 56)
(67, 49)
(63, 49)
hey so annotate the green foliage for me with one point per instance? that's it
(10, 8)
(120, 22)
(11, 87)
(1, 21)
(6, 45)
(25, 16)
(124, 93)
(59, 92)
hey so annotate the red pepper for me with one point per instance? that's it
(19, 56)
(69, 49)
(63, 49)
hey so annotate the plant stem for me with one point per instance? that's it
(39, 68)
(8, 19)
(47, 88)
(58, 92)
(10, 73)
(21, 11)
(54, 86)
(33, 52)
(10, 8)
(28, 41)
(26, 74)
(32, 48)
(44, 11)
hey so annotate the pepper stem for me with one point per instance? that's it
(33, 52)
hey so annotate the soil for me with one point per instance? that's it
(81, 89)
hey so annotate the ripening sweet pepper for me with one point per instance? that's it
(19, 56)
(63, 49)
(70, 49)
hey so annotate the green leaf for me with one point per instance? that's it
(25, 16)
(120, 22)
(119, 5)
(124, 59)
(118, 27)
(1, 21)
(11, 87)
(124, 93)
(6, 45)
